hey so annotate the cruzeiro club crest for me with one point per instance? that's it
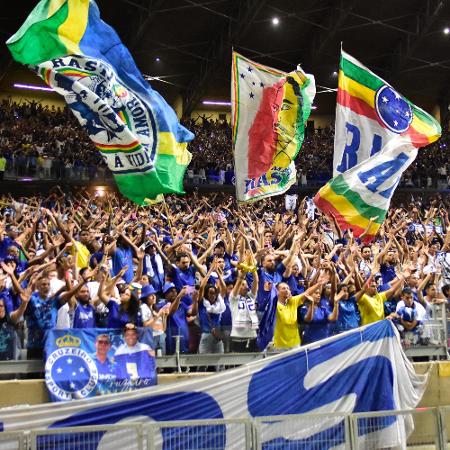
(119, 122)
(393, 110)
(70, 373)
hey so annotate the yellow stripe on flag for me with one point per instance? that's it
(424, 128)
(347, 210)
(169, 146)
(356, 89)
(72, 30)
(54, 6)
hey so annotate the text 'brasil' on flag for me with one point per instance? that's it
(82, 58)
(269, 112)
(377, 136)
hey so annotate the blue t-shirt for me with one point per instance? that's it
(123, 257)
(225, 319)
(177, 325)
(40, 315)
(106, 376)
(267, 285)
(207, 320)
(348, 316)
(387, 273)
(5, 244)
(10, 300)
(317, 329)
(84, 316)
(184, 278)
(296, 284)
(118, 318)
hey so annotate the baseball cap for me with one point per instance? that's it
(147, 290)
(167, 287)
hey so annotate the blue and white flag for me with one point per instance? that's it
(361, 370)
(83, 363)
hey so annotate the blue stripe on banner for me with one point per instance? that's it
(359, 371)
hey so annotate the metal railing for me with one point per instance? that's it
(424, 429)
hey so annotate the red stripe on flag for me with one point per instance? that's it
(328, 208)
(262, 137)
(357, 105)
(417, 139)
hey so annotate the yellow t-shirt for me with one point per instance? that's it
(286, 333)
(372, 308)
(83, 255)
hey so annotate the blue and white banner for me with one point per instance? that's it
(361, 370)
(83, 363)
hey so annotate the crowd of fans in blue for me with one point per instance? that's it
(222, 277)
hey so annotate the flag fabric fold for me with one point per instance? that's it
(82, 58)
(269, 111)
(334, 376)
(377, 136)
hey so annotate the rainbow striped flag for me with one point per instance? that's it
(377, 135)
(269, 112)
(82, 58)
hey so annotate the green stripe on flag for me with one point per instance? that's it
(425, 117)
(27, 45)
(170, 173)
(340, 187)
(360, 75)
(303, 112)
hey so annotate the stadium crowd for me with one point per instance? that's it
(223, 277)
(42, 142)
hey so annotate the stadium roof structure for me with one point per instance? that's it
(184, 46)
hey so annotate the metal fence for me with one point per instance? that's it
(303, 431)
(201, 434)
(420, 429)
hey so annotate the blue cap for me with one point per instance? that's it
(167, 286)
(147, 290)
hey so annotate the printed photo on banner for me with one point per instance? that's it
(83, 363)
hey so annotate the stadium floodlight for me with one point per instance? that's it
(446, 30)
(157, 59)
(216, 102)
(33, 87)
(275, 21)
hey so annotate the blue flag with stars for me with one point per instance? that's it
(83, 363)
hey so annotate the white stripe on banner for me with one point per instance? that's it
(361, 370)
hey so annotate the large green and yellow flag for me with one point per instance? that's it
(377, 135)
(82, 58)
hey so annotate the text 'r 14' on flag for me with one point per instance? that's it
(377, 136)
(269, 111)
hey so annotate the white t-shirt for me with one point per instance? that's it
(243, 316)
(148, 314)
(421, 312)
